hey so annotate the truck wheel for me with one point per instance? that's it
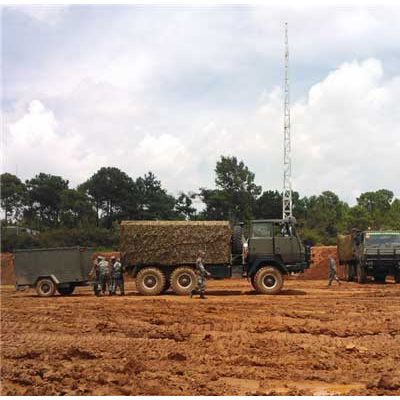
(361, 275)
(45, 287)
(183, 280)
(150, 281)
(237, 243)
(66, 290)
(397, 277)
(268, 280)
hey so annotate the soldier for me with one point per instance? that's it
(332, 271)
(95, 273)
(117, 276)
(104, 275)
(201, 274)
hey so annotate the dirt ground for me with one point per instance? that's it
(309, 339)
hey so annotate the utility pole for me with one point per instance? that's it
(287, 156)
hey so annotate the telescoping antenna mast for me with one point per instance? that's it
(287, 157)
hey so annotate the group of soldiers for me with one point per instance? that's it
(109, 276)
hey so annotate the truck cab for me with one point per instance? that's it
(378, 253)
(273, 245)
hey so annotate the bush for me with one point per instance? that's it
(89, 237)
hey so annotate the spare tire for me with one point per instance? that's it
(237, 242)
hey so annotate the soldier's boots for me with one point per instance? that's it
(202, 296)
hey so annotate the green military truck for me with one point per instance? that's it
(49, 270)
(162, 254)
(370, 253)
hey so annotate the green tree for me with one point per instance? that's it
(76, 209)
(184, 207)
(151, 200)
(377, 204)
(111, 191)
(44, 198)
(325, 215)
(268, 205)
(235, 193)
(12, 196)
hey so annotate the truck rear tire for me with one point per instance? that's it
(45, 287)
(183, 280)
(150, 281)
(237, 242)
(268, 280)
(66, 290)
(361, 274)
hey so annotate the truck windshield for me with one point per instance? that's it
(382, 239)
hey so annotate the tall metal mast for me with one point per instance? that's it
(287, 156)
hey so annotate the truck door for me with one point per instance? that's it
(261, 240)
(288, 247)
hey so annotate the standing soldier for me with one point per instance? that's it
(95, 273)
(332, 271)
(104, 275)
(117, 274)
(201, 274)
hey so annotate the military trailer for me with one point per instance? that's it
(52, 269)
(370, 253)
(162, 254)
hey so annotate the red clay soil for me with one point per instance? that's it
(308, 340)
(7, 269)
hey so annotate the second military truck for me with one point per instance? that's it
(162, 254)
(370, 253)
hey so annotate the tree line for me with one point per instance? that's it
(89, 214)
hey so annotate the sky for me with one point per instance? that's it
(169, 89)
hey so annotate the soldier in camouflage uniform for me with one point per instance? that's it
(201, 274)
(95, 273)
(104, 276)
(332, 271)
(117, 276)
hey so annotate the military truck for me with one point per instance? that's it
(48, 270)
(162, 254)
(370, 253)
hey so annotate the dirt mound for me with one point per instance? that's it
(319, 262)
(7, 269)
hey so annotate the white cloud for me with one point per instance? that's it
(49, 14)
(172, 90)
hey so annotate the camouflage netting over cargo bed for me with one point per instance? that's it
(174, 242)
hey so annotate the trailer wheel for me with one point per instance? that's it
(183, 280)
(45, 287)
(150, 281)
(361, 274)
(268, 280)
(66, 290)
